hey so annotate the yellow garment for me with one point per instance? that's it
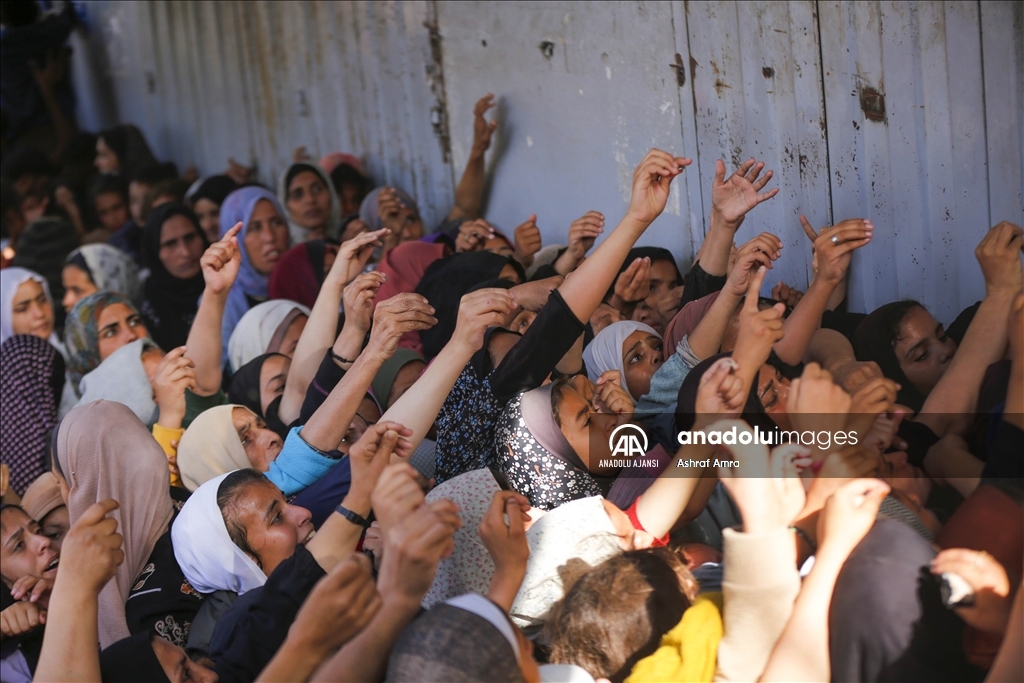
(164, 437)
(688, 653)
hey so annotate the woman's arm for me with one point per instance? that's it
(469, 194)
(318, 334)
(220, 266)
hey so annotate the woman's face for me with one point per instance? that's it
(266, 238)
(112, 210)
(351, 198)
(292, 334)
(273, 376)
(273, 528)
(181, 247)
(923, 349)
(586, 430)
(55, 526)
(406, 377)
(663, 278)
(366, 416)
(406, 224)
(137, 193)
(178, 666)
(208, 214)
(772, 390)
(262, 446)
(521, 323)
(118, 325)
(31, 311)
(498, 245)
(25, 550)
(309, 202)
(106, 159)
(77, 285)
(630, 538)
(642, 355)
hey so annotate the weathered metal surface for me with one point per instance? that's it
(910, 114)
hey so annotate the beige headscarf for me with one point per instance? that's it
(210, 448)
(42, 496)
(104, 451)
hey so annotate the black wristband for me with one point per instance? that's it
(338, 358)
(353, 517)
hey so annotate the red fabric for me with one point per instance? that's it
(404, 265)
(293, 278)
(635, 521)
(686, 320)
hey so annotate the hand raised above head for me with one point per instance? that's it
(483, 129)
(732, 198)
(92, 549)
(394, 317)
(221, 261)
(998, 255)
(652, 180)
(479, 310)
(527, 240)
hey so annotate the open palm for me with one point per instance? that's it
(732, 198)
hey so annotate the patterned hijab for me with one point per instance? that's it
(81, 333)
(536, 458)
(109, 268)
(103, 451)
(30, 390)
(238, 208)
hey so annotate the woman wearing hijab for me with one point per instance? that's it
(103, 451)
(271, 327)
(300, 273)
(43, 503)
(632, 348)
(314, 211)
(32, 381)
(446, 281)
(173, 245)
(405, 266)
(99, 267)
(259, 385)
(205, 198)
(263, 240)
(122, 150)
(96, 326)
(27, 307)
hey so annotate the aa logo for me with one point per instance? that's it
(628, 441)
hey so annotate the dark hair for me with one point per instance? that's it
(152, 174)
(27, 161)
(172, 187)
(15, 13)
(107, 184)
(346, 174)
(9, 201)
(874, 340)
(615, 614)
(655, 254)
(557, 387)
(228, 494)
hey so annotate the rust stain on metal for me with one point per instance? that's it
(693, 67)
(680, 70)
(435, 75)
(872, 103)
(719, 85)
(768, 72)
(547, 48)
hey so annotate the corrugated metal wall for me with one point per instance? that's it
(908, 113)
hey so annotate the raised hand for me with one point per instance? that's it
(396, 495)
(479, 310)
(300, 155)
(340, 605)
(611, 398)
(531, 296)
(652, 181)
(354, 254)
(990, 611)
(412, 549)
(506, 544)
(21, 617)
(759, 330)
(221, 262)
(816, 403)
(732, 198)
(482, 128)
(237, 172)
(758, 252)
(833, 247)
(848, 516)
(358, 297)
(394, 317)
(720, 394)
(634, 283)
(372, 453)
(583, 231)
(999, 257)
(92, 548)
(174, 375)
(786, 294)
(527, 241)
(473, 235)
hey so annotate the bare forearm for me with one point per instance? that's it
(329, 424)
(802, 651)
(829, 349)
(714, 253)
(504, 587)
(470, 192)
(204, 343)
(584, 290)
(71, 643)
(572, 361)
(661, 506)
(364, 658)
(317, 336)
(293, 663)
(799, 327)
(706, 338)
(1014, 412)
(337, 537)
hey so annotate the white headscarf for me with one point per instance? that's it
(208, 557)
(10, 280)
(605, 351)
(579, 528)
(210, 447)
(256, 330)
(121, 377)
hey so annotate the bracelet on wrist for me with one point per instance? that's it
(339, 359)
(353, 517)
(803, 535)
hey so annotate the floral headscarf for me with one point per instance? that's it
(81, 332)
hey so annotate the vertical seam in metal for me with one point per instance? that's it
(443, 103)
(824, 111)
(693, 113)
(984, 115)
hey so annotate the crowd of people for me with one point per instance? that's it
(296, 434)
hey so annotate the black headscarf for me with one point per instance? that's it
(171, 302)
(216, 188)
(446, 281)
(131, 148)
(686, 402)
(245, 390)
(874, 340)
(131, 660)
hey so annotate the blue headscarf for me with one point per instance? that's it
(238, 207)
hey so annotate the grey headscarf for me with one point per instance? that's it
(121, 377)
(109, 268)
